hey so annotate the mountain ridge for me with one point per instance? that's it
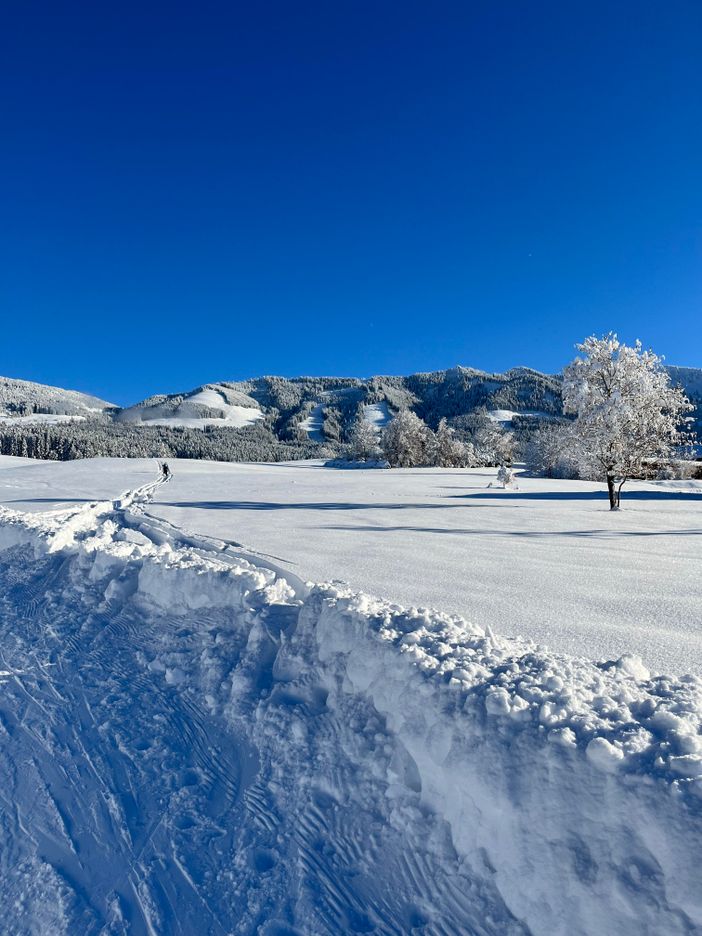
(278, 418)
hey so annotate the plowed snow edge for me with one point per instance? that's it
(214, 744)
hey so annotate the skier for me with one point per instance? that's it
(165, 472)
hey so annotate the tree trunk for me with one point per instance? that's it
(613, 493)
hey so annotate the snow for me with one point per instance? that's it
(49, 419)
(507, 415)
(313, 424)
(191, 411)
(237, 417)
(25, 393)
(377, 414)
(548, 562)
(194, 740)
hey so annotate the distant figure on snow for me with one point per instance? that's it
(165, 472)
(505, 478)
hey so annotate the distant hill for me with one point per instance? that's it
(690, 379)
(211, 405)
(274, 418)
(324, 408)
(20, 398)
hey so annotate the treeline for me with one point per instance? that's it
(408, 442)
(94, 438)
(446, 394)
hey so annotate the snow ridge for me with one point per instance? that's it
(258, 754)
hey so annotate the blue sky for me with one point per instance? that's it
(217, 190)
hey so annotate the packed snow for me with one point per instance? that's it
(313, 423)
(377, 414)
(195, 740)
(548, 561)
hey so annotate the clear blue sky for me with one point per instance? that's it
(211, 190)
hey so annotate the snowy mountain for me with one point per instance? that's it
(218, 404)
(274, 418)
(690, 379)
(323, 408)
(21, 398)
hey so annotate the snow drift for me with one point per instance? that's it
(193, 741)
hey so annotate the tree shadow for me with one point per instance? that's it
(522, 534)
(577, 495)
(307, 505)
(52, 500)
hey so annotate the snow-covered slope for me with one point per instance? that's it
(211, 405)
(507, 416)
(193, 742)
(548, 561)
(377, 414)
(312, 423)
(689, 378)
(282, 410)
(23, 398)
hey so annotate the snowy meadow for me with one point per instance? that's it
(199, 739)
(544, 561)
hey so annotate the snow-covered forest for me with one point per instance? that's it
(470, 418)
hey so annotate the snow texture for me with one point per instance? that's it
(313, 423)
(377, 415)
(49, 419)
(547, 561)
(194, 741)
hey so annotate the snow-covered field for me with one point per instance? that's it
(549, 562)
(194, 740)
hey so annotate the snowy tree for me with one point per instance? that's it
(550, 451)
(331, 426)
(505, 477)
(406, 441)
(364, 443)
(493, 444)
(627, 413)
(449, 452)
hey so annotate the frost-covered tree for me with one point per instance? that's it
(627, 413)
(551, 451)
(493, 444)
(364, 443)
(331, 426)
(449, 452)
(406, 441)
(505, 477)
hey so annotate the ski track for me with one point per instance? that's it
(134, 804)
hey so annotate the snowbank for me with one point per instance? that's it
(492, 787)
(578, 786)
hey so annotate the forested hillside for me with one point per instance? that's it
(276, 418)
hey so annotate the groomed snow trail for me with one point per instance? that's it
(193, 742)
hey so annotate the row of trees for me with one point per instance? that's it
(407, 442)
(101, 437)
